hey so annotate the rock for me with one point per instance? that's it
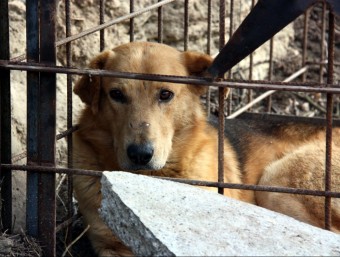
(158, 217)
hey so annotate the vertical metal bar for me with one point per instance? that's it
(221, 94)
(209, 18)
(330, 80)
(47, 133)
(304, 44)
(69, 116)
(41, 125)
(271, 48)
(132, 26)
(33, 87)
(101, 21)
(209, 28)
(270, 71)
(231, 19)
(251, 63)
(186, 24)
(5, 122)
(222, 24)
(322, 43)
(160, 23)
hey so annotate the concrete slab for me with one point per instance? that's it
(163, 218)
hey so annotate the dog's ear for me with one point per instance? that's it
(197, 64)
(88, 87)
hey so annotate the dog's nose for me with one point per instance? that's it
(140, 154)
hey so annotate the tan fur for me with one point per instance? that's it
(302, 168)
(266, 149)
(184, 144)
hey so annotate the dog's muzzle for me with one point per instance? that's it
(140, 154)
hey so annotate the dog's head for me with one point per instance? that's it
(143, 117)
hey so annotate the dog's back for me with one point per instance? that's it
(287, 154)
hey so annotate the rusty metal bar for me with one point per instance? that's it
(231, 30)
(330, 79)
(288, 190)
(221, 95)
(101, 21)
(271, 48)
(69, 202)
(33, 87)
(322, 41)
(287, 118)
(209, 19)
(231, 20)
(263, 85)
(5, 123)
(304, 43)
(52, 170)
(132, 24)
(251, 63)
(221, 128)
(270, 71)
(186, 24)
(47, 128)
(160, 23)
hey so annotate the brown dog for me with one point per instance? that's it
(142, 125)
(162, 128)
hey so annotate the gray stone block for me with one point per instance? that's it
(163, 218)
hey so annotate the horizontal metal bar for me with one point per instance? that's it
(315, 121)
(287, 190)
(45, 169)
(264, 85)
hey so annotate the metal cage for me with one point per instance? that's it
(39, 62)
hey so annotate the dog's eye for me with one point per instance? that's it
(117, 95)
(165, 95)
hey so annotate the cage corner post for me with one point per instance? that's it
(5, 123)
(41, 124)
